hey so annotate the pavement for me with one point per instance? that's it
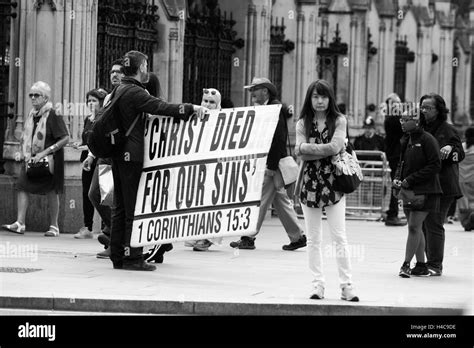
(66, 276)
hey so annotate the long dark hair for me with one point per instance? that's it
(469, 134)
(153, 85)
(322, 87)
(440, 106)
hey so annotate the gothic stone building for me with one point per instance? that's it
(365, 48)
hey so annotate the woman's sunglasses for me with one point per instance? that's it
(206, 91)
(36, 95)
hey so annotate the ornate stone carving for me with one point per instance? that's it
(38, 3)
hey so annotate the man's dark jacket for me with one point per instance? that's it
(445, 134)
(278, 147)
(136, 101)
(420, 162)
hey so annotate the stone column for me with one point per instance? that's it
(54, 42)
(257, 41)
(168, 59)
(306, 46)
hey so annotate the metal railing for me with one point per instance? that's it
(372, 197)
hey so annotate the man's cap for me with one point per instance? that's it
(369, 122)
(262, 82)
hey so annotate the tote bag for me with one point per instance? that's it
(348, 174)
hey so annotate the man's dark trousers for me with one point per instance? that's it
(126, 180)
(434, 233)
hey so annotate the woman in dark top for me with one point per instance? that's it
(95, 100)
(44, 136)
(434, 115)
(418, 171)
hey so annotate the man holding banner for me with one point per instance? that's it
(263, 92)
(127, 165)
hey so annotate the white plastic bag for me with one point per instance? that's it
(106, 184)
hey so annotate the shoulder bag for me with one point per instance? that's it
(347, 172)
(288, 167)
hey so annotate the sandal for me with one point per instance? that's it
(52, 232)
(15, 227)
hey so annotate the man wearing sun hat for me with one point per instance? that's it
(264, 92)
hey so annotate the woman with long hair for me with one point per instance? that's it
(321, 133)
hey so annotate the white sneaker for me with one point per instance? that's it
(317, 293)
(15, 227)
(190, 243)
(348, 293)
(84, 233)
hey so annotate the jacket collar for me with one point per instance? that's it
(126, 80)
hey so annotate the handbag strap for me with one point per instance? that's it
(288, 137)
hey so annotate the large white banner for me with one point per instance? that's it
(203, 178)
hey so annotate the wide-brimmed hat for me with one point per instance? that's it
(263, 82)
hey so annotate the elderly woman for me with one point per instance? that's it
(95, 100)
(43, 139)
(211, 99)
(434, 115)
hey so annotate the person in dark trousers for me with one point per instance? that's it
(105, 211)
(418, 170)
(264, 92)
(393, 133)
(127, 165)
(95, 100)
(155, 253)
(434, 115)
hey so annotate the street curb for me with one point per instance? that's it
(212, 308)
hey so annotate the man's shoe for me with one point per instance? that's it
(318, 293)
(434, 272)
(420, 270)
(405, 270)
(104, 254)
(300, 243)
(202, 245)
(84, 233)
(15, 227)
(156, 253)
(347, 293)
(395, 221)
(244, 243)
(138, 266)
(117, 265)
(104, 239)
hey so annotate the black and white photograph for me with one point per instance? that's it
(222, 172)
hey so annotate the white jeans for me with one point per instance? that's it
(336, 217)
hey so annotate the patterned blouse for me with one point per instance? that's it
(316, 188)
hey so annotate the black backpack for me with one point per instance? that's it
(107, 137)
